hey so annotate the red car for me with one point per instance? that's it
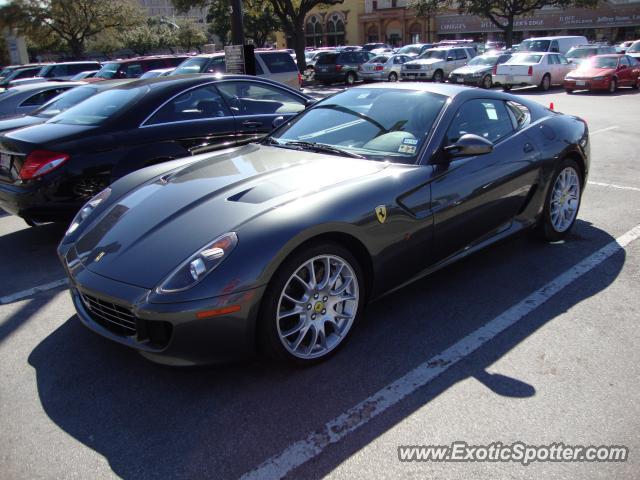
(604, 72)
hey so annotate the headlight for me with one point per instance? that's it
(85, 211)
(199, 265)
(598, 78)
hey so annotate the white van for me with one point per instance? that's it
(551, 44)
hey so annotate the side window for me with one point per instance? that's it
(253, 98)
(42, 97)
(279, 62)
(133, 70)
(520, 113)
(58, 71)
(503, 58)
(460, 54)
(202, 103)
(486, 118)
(552, 59)
(562, 59)
(28, 73)
(217, 65)
(554, 46)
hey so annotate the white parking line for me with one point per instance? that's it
(335, 430)
(611, 185)
(602, 130)
(14, 297)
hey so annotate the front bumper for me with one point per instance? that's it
(37, 201)
(586, 84)
(168, 333)
(374, 76)
(417, 75)
(465, 79)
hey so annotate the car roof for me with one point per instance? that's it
(560, 37)
(42, 85)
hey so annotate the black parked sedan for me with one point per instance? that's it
(282, 243)
(48, 171)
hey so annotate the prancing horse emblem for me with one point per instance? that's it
(381, 213)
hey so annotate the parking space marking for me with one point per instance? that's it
(14, 297)
(602, 130)
(335, 430)
(611, 185)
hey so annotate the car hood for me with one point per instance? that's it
(163, 222)
(19, 121)
(466, 70)
(424, 61)
(592, 72)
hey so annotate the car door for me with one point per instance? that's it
(475, 197)
(255, 105)
(564, 67)
(196, 120)
(624, 73)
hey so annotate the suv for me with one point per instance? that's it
(272, 64)
(341, 66)
(582, 53)
(414, 49)
(134, 67)
(437, 63)
(66, 70)
(18, 74)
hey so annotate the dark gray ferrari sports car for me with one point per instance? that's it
(278, 245)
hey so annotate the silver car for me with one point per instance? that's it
(25, 99)
(437, 63)
(541, 69)
(383, 68)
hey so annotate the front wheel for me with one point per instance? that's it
(350, 79)
(636, 85)
(311, 304)
(438, 76)
(393, 77)
(562, 202)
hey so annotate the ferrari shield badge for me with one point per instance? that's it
(381, 213)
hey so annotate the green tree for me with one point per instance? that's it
(141, 39)
(503, 13)
(190, 36)
(260, 21)
(73, 21)
(106, 43)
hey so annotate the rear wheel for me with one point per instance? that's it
(613, 85)
(350, 79)
(311, 304)
(546, 82)
(562, 202)
(569, 90)
(486, 82)
(393, 77)
(438, 76)
(636, 85)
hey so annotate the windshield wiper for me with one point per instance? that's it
(321, 147)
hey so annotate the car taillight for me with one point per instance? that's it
(494, 71)
(338, 68)
(530, 72)
(379, 67)
(299, 79)
(40, 162)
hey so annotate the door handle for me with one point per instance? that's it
(250, 124)
(528, 148)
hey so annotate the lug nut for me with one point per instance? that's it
(309, 307)
(324, 299)
(324, 310)
(313, 317)
(315, 295)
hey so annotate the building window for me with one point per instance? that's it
(314, 32)
(335, 31)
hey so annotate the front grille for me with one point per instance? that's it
(412, 67)
(115, 318)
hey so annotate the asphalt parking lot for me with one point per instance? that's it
(524, 341)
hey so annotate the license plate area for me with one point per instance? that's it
(581, 83)
(460, 80)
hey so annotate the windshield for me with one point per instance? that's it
(101, 107)
(45, 70)
(65, 101)
(534, 46)
(524, 59)
(376, 123)
(108, 71)
(634, 48)
(582, 53)
(191, 65)
(439, 54)
(409, 49)
(327, 59)
(602, 62)
(488, 60)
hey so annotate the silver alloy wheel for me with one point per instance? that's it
(486, 82)
(351, 79)
(393, 77)
(437, 77)
(565, 199)
(317, 306)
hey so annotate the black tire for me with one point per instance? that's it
(545, 84)
(269, 338)
(393, 77)
(486, 82)
(613, 85)
(636, 85)
(438, 76)
(569, 90)
(545, 228)
(506, 88)
(350, 79)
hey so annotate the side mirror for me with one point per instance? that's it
(310, 102)
(621, 67)
(469, 144)
(277, 121)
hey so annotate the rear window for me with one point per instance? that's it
(279, 62)
(327, 59)
(191, 65)
(582, 52)
(379, 59)
(524, 58)
(98, 109)
(65, 101)
(534, 46)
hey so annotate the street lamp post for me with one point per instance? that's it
(237, 27)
